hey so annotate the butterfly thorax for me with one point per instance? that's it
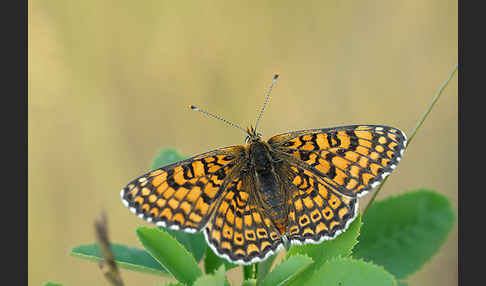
(267, 182)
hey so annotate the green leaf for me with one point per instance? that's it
(126, 257)
(264, 267)
(402, 283)
(401, 233)
(213, 262)
(170, 253)
(216, 279)
(52, 284)
(250, 282)
(348, 271)
(166, 156)
(287, 270)
(320, 253)
(194, 243)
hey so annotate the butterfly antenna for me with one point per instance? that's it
(267, 99)
(193, 107)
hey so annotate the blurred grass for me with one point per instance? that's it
(109, 83)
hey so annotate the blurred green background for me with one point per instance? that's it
(110, 81)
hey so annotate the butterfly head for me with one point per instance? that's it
(252, 136)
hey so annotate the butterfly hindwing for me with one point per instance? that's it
(239, 230)
(316, 212)
(349, 159)
(182, 195)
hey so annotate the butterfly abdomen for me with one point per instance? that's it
(268, 183)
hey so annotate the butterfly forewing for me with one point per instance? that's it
(239, 230)
(184, 194)
(349, 159)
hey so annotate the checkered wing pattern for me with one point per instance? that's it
(183, 195)
(350, 160)
(328, 170)
(322, 172)
(239, 229)
(316, 212)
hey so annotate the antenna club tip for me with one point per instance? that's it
(276, 75)
(193, 107)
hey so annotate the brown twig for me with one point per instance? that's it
(108, 265)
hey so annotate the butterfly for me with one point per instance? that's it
(250, 200)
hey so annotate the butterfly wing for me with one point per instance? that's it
(316, 212)
(351, 160)
(239, 231)
(327, 169)
(183, 195)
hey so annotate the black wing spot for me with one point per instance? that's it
(353, 140)
(313, 193)
(332, 172)
(228, 157)
(340, 151)
(206, 198)
(288, 144)
(304, 155)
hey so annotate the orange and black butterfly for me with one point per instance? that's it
(298, 187)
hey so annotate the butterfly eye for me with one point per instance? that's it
(247, 139)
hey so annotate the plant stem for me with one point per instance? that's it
(415, 130)
(247, 272)
(108, 265)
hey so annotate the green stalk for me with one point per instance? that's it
(415, 130)
(247, 272)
